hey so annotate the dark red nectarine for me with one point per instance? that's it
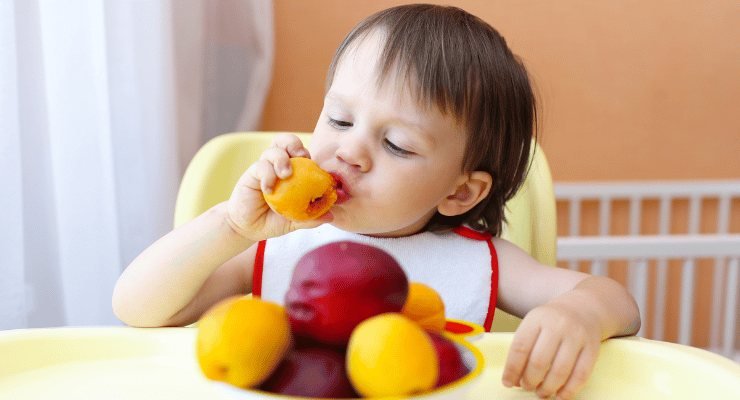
(311, 372)
(451, 365)
(336, 286)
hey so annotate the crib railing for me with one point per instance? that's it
(651, 229)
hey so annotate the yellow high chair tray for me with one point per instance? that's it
(129, 363)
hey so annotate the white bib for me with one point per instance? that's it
(461, 265)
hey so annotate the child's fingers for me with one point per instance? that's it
(561, 368)
(581, 371)
(280, 161)
(540, 360)
(292, 145)
(248, 181)
(264, 172)
(521, 346)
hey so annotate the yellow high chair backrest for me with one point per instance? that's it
(214, 170)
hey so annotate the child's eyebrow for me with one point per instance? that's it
(334, 96)
(420, 130)
(337, 98)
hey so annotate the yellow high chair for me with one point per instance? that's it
(95, 362)
(214, 170)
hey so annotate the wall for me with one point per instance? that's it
(628, 89)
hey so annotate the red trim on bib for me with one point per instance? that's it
(494, 286)
(259, 263)
(485, 236)
(472, 234)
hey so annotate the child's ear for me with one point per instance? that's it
(473, 188)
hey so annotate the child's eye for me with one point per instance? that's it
(337, 124)
(395, 149)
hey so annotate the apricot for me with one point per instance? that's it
(391, 355)
(306, 194)
(242, 340)
(425, 306)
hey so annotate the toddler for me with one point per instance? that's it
(427, 124)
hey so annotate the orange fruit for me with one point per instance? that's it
(242, 340)
(391, 355)
(425, 306)
(306, 194)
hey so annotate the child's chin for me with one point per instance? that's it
(341, 222)
(367, 225)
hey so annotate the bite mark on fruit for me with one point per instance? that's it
(317, 204)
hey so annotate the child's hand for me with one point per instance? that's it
(553, 351)
(248, 213)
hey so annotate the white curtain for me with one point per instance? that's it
(102, 105)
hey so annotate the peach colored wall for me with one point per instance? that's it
(629, 89)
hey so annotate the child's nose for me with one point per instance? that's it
(354, 150)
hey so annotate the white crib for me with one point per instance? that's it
(644, 229)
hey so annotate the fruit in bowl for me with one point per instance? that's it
(331, 280)
(391, 355)
(237, 332)
(451, 364)
(425, 306)
(311, 372)
(349, 328)
(456, 390)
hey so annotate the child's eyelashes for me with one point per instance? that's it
(395, 149)
(338, 124)
(390, 146)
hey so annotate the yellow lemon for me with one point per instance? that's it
(306, 194)
(425, 306)
(242, 340)
(391, 355)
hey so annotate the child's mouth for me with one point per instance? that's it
(341, 187)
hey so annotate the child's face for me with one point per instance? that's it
(395, 159)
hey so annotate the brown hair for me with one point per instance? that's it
(462, 65)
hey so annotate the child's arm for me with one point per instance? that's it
(211, 257)
(566, 316)
(184, 272)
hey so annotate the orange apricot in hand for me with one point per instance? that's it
(306, 194)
